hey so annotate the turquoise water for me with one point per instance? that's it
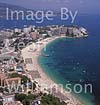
(68, 60)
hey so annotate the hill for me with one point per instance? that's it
(3, 7)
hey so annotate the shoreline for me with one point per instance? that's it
(45, 82)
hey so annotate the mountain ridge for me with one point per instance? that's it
(3, 7)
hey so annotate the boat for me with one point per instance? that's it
(45, 55)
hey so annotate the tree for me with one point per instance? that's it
(1, 103)
(25, 99)
(51, 100)
(1, 100)
(34, 86)
(24, 79)
(31, 97)
(20, 97)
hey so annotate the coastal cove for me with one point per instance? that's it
(45, 83)
(71, 59)
(49, 52)
(62, 67)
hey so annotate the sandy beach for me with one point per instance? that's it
(30, 55)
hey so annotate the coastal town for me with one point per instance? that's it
(22, 80)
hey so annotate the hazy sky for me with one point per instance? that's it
(84, 6)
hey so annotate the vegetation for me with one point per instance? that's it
(25, 99)
(1, 89)
(24, 79)
(45, 99)
(1, 102)
(34, 86)
(51, 100)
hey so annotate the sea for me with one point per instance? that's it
(71, 60)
